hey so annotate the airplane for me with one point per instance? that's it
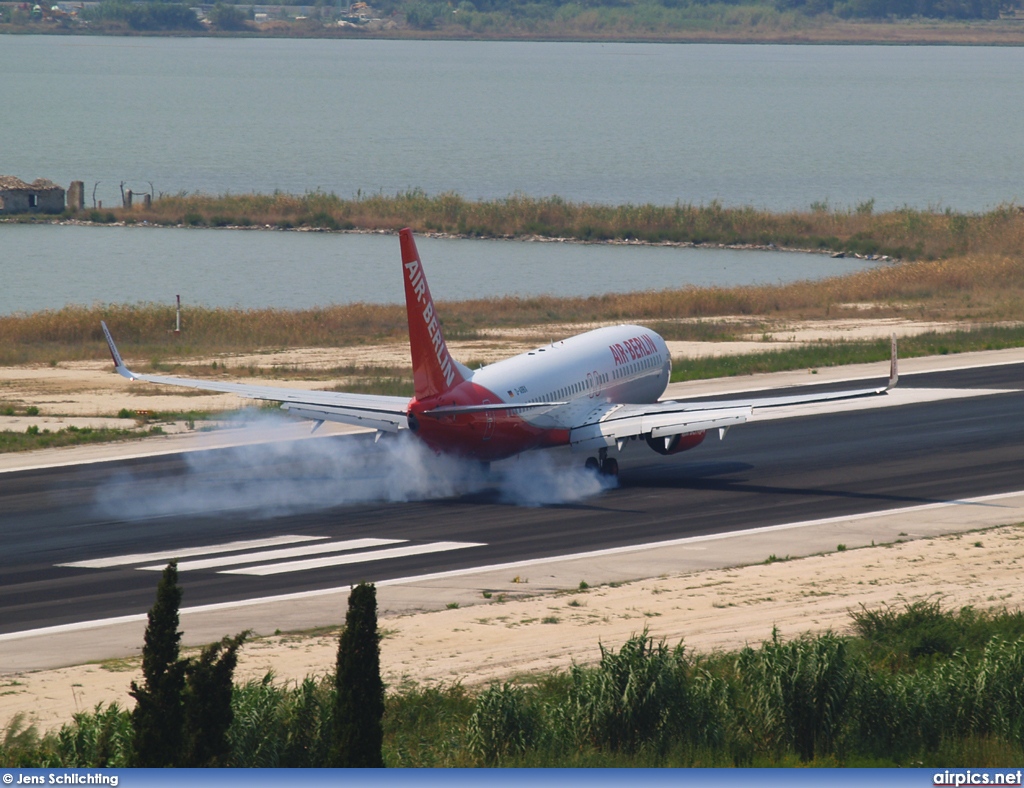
(593, 392)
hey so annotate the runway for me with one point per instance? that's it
(72, 553)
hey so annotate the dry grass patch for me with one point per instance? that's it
(983, 288)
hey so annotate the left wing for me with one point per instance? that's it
(610, 425)
(387, 414)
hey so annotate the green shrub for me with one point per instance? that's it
(919, 633)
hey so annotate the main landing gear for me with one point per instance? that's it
(603, 464)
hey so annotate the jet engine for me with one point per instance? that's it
(673, 444)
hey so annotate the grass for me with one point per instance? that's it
(833, 354)
(34, 438)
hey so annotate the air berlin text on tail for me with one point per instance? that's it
(414, 271)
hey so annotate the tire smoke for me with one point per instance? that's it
(280, 477)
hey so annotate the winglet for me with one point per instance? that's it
(434, 370)
(118, 361)
(894, 366)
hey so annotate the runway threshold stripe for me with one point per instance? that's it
(273, 555)
(353, 558)
(185, 552)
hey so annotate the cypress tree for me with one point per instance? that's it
(207, 703)
(359, 708)
(157, 717)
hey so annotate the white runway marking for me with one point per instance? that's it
(185, 552)
(351, 558)
(273, 555)
(230, 554)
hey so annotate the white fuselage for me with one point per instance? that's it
(618, 364)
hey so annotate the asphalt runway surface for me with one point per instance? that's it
(86, 542)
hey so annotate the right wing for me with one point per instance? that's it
(387, 414)
(612, 425)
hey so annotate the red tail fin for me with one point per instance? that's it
(433, 369)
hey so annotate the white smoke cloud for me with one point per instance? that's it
(292, 476)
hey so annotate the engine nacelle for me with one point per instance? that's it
(676, 443)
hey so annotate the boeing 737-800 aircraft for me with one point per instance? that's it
(592, 392)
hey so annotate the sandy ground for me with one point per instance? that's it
(534, 618)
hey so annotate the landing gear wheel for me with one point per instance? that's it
(610, 467)
(592, 464)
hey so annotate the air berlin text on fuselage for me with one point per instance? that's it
(632, 349)
(419, 287)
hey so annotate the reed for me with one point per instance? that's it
(630, 701)
(281, 726)
(974, 287)
(503, 724)
(21, 744)
(905, 233)
(818, 700)
(102, 737)
(800, 693)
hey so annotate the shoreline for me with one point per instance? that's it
(534, 238)
(1003, 32)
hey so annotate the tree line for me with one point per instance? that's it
(163, 15)
(510, 16)
(495, 14)
(903, 9)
